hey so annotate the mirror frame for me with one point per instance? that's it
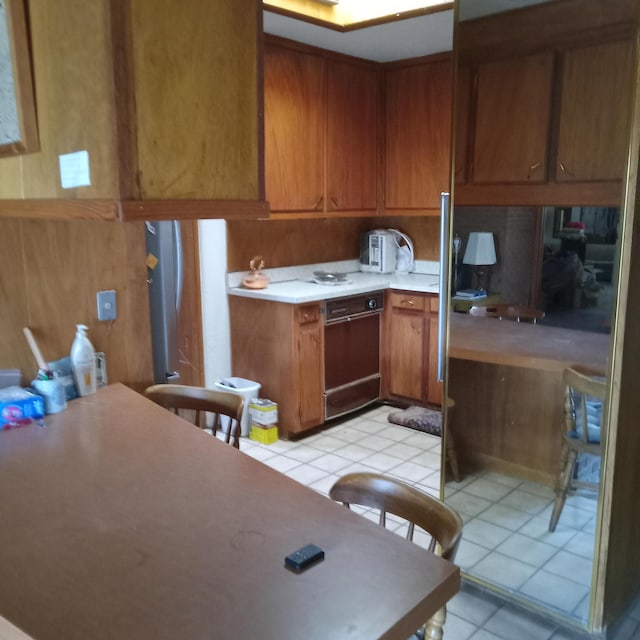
(20, 65)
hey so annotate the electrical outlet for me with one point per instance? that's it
(106, 305)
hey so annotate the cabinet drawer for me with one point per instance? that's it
(307, 314)
(408, 301)
(434, 304)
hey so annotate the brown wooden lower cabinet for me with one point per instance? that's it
(409, 348)
(281, 346)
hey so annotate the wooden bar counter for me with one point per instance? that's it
(506, 380)
(121, 520)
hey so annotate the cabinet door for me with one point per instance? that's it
(418, 135)
(310, 381)
(406, 346)
(352, 98)
(512, 120)
(462, 114)
(196, 100)
(594, 112)
(294, 117)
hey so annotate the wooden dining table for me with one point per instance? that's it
(121, 520)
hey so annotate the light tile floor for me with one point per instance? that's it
(505, 524)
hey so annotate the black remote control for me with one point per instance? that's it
(303, 558)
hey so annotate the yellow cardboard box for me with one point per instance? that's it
(265, 435)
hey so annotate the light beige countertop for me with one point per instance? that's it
(295, 286)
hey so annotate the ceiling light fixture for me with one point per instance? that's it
(350, 14)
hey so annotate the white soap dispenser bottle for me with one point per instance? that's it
(83, 362)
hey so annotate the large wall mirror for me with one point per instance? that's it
(18, 128)
(539, 165)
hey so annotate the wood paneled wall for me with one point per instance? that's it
(50, 274)
(423, 231)
(285, 243)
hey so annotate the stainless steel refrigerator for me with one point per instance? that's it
(165, 278)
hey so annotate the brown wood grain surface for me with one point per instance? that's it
(506, 380)
(418, 134)
(546, 26)
(352, 136)
(594, 130)
(570, 194)
(463, 121)
(273, 346)
(49, 284)
(73, 79)
(510, 94)
(49, 209)
(190, 339)
(289, 242)
(294, 242)
(132, 523)
(295, 120)
(507, 418)
(196, 92)
(526, 345)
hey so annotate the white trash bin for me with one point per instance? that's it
(248, 389)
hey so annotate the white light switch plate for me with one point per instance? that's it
(106, 301)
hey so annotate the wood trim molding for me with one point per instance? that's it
(327, 54)
(414, 62)
(605, 194)
(373, 22)
(545, 26)
(51, 209)
(131, 210)
(193, 209)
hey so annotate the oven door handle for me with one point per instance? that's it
(443, 292)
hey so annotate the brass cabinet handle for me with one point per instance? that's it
(408, 301)
(533, 167)
(565, 170)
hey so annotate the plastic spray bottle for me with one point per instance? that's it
(83, 362)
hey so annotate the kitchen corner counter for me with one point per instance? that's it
(304, 290)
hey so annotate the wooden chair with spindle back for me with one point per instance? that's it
(419, 509)
(584, 398)
(181, 398)
(515, 312)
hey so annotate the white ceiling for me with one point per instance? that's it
(383, 43)
(399, 40)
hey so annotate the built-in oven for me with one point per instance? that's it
(352, 353)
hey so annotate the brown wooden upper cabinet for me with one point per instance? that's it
(549, 126)
(464, 80)
(163, 98)
(512, 119)
(594, 112)
(320, 131)
(418, 135)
